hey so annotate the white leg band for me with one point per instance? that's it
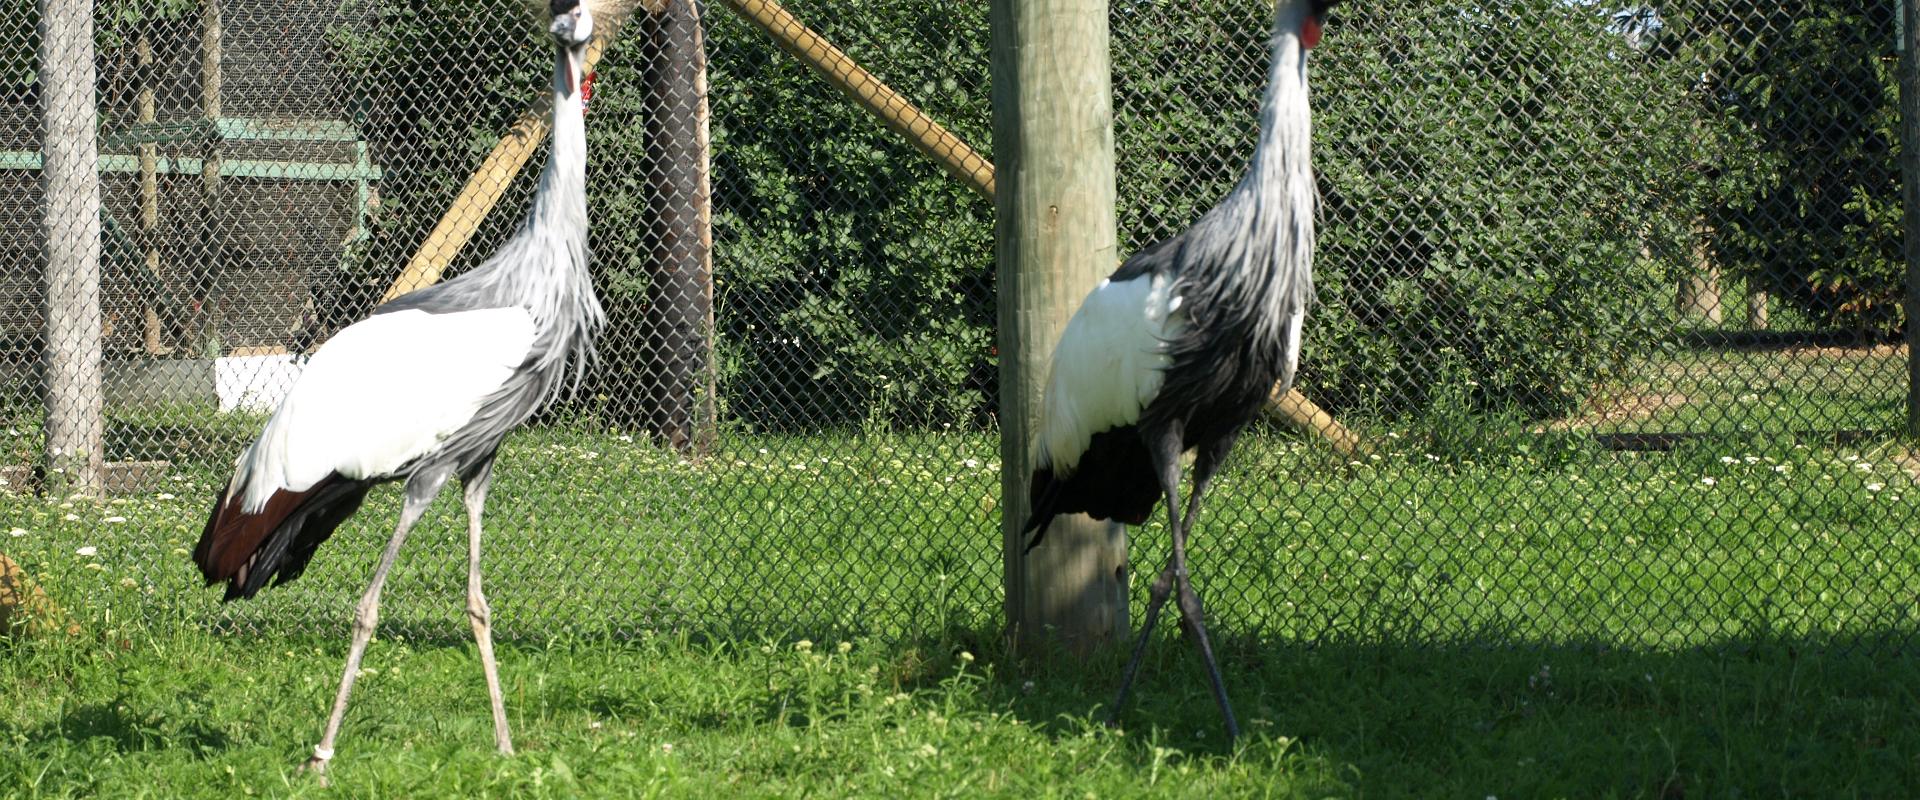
(322, 753)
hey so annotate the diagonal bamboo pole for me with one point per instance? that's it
(966, 164)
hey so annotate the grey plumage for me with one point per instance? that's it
(1237, 284)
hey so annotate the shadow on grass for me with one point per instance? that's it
(123, 725)
(1495, 717)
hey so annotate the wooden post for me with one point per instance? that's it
(1910, 195)
(1699, 297)
(75, 411)
(1756, 308)
(1056, 237)
(678, 330)
(203, 332)
(146, 113)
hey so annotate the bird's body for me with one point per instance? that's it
(1179, 349)
(423, 390)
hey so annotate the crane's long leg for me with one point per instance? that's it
(1165, 449)
(1190, 607)
(478, 612)
(420, 492)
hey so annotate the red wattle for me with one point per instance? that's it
(1310, 33)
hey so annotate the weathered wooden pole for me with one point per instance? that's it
(677, 333)
(204, 329)
(146, 109)
(1910, 195)
(1055, 234)
(75, 422)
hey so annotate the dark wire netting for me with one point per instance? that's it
(1611, 296)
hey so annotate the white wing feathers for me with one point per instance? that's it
(1107, 367)
(382, 392)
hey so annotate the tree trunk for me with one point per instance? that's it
(1055, 239)
(678, 328)
(1699, 298)
(1756, 309)
(75, 411)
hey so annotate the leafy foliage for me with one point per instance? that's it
(1807, 202)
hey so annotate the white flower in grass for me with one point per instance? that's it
(1780, 468)
(1729, 460)
(666, 747)
(1709, 481)
(116, 520)
(17, 532)
(1874, 487)
(163, 496)
(89, 551)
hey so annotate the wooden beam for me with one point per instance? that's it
(1054, 240)
(946, 149)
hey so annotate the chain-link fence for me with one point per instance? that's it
(1611, 295)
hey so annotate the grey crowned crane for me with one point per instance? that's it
(424, 390)
(1179, 349)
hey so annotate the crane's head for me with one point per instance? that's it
(572, 28)
(1312, 19)
(572, 24)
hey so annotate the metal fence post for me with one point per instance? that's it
(1910, 195)
(75, 422)
(1055, 238)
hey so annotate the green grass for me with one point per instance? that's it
(1467, 612)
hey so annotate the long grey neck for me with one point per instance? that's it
(1280, 159)
(543, 266)
(561, 199)
(1259, 240)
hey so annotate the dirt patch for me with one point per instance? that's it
(1865, 351)
(1618, 409)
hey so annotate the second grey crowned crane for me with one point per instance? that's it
(1179, 349)
(422, 391)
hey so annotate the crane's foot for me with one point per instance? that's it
(317, 764)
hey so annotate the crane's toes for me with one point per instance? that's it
(317, 766)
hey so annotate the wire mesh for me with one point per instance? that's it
(1611, 294)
